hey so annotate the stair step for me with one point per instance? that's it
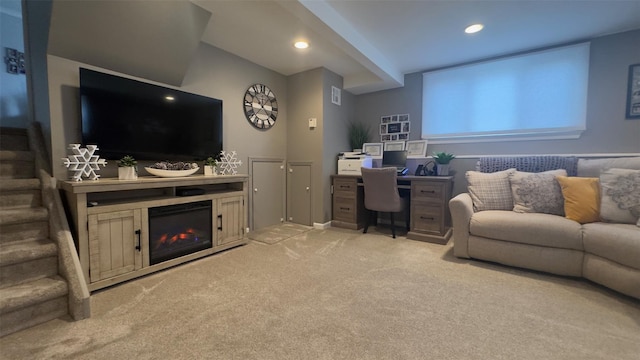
(24, 231)
(22, 251)
(19, 216)
(33, 303)
(12, 155)
(38, 261)
(20, 193)
(14, 139)
(9, 185)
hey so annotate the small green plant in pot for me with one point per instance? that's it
(358, 135)
(210, 166)
(127, 169)
(442, 160)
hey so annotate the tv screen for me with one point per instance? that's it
(149, 122)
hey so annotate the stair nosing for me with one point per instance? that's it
(15, 297)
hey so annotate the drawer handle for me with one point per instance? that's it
(345, 186)
(428, 191)
(427, 218)
(344, 208)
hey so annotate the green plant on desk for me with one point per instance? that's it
(443, 157)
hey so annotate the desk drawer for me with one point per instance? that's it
(345, 187)
(427, 218)
(431, 192)
(344, 209)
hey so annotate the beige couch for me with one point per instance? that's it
(604, 252)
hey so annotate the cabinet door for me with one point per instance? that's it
(114, 240)
(229, 222)
(299, 194)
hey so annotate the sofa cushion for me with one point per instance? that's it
(490, 191)
(620, 196)
(581, 198)
(593, 167)
(534, 229)
(616, 242)
(537, 192)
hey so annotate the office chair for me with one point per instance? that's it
(381, 194)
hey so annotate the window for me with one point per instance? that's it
(538, 95)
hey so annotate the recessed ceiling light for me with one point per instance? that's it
(473, 28)
(169, 98)
(301, 44)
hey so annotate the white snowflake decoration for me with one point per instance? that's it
(84, 162)
(228, 163)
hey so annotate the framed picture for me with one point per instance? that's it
(385, 119)
(416, 149)
(406, 127)
(403, 136)
(336, 95)
(385, 138)
(373, 149)
(403, 117)
(383, 129)
(394, 128)
(393, 145)
(633, 92)
(394, 118)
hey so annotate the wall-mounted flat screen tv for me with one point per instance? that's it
(149, 122)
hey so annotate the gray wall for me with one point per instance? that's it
(608, 132)
(13, 92)
(213, 72)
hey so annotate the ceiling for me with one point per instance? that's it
(373, 44)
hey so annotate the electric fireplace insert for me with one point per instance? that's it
(178, 230)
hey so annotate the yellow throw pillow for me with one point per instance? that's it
(581, 198)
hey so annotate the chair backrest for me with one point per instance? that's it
(381, 189)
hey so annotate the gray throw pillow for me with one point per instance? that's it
(620, 196)
(537, 192)
(490, 191)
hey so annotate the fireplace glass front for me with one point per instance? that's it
(178, 230)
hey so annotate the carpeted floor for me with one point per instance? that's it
(276, 233)
(339, 294)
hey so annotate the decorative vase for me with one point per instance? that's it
(210, 170)
(442, 169)
(127, 173)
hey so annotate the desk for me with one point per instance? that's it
(430, 218)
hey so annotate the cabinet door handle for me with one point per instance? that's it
(138, 233)
(428, 191)
(427, 218)
(220, 222)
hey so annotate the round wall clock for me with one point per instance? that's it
(260, 106)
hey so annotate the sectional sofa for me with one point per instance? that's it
(561, 215)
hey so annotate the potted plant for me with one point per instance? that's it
(358, 135)
(442, 160)
(127, 169)
(210, 165)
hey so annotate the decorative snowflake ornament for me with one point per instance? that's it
(83, 162)
(228, 163)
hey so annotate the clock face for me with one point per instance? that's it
(260, 106)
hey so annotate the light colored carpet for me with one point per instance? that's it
(277, 233)
(339, 294)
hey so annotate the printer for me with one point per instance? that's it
(349, 163)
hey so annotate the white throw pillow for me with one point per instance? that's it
(490, 191)
(620, 196)
(537, 192)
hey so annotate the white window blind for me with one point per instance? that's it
(531, 96)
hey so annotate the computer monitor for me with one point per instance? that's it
(396, 158)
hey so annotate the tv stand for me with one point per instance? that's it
(110, 220)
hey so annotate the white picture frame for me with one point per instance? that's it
(373, 149)
(393, 145)
(416, 149)
(336, 95)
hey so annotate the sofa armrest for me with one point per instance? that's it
(461, 208)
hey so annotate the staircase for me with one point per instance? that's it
(31, 288)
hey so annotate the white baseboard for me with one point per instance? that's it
(321, 226)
